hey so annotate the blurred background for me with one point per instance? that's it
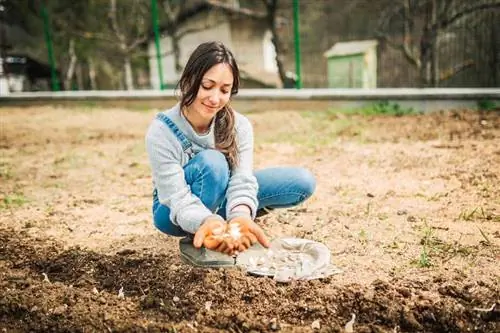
(144, 44)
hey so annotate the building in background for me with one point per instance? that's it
(352, 64)
(24, 73)
(244, 33)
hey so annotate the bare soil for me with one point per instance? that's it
(409, 206)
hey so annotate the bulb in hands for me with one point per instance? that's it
(236, 236)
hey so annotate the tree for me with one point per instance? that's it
(270, 18)
(131, 26)
(421, 24)
(175, 13)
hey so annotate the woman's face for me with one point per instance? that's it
(214, 92)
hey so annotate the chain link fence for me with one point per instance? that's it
(144, 44)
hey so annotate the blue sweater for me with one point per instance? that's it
(167, 160)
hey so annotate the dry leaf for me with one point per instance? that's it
(316, 325)
(349, 327)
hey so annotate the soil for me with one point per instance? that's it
(409, 206)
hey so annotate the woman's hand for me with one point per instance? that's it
(210, 234)
(246, 232)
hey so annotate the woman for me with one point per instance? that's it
(201, 156)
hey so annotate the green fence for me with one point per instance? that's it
(144, 44)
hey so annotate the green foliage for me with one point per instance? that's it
(381, 108)
(393, 109)
(487, 105)
(13, 200)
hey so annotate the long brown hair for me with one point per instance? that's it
(201, 60)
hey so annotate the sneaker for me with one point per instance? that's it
(264, 211)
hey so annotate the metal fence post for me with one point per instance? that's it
(154, 9)
(296, 35)
(48, 41)
(4, 87)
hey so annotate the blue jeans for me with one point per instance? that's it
(208, 175)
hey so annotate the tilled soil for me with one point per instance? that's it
(409, 206)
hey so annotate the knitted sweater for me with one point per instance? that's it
(167, 160)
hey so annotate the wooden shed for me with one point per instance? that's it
(352, 64)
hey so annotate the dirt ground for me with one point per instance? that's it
(409, 206)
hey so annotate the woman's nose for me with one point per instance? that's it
(214, 98)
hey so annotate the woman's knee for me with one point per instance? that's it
(166, 226)
(215, 163)
(305, 182)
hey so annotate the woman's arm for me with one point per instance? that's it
(165, 156)
(242, 188)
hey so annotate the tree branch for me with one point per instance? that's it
(172, 14)
(447, 22)
(193, 30)
(411, 58)
(450, 72)
(243, 11)
(407, 33)
(114, 21)
(136, 43)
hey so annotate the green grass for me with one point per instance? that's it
(5, 171)
(319, 128)
(434, 248)
(487, 105)
(382, 108)
(13, 200)
(473, 214)
(314, 129)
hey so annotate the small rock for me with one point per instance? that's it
(410, 322)
(60, 309)
(402, 212)
(102, 300)
(316, 325)
(411, 218)
(405, 292)
(274, 325)
(121, 294)
(176, 299)
(208, 305)
(349, 327)
(369, 195)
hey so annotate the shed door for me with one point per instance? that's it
(345, 72)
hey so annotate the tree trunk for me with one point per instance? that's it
(434, 45)
(271, 21)
(72, 64)
(79, 77)
(177, 51)
(426, 44)
(129, 81)
(92, 75)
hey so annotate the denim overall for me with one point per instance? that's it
(279, 187)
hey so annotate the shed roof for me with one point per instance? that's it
(350, 48)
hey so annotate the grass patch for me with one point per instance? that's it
(69, 161)
(5, 171)
(13, 200)
(433, 248)
(487, 105)
(382, 108)
(311, 129)
(473, 214)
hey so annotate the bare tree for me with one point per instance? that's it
(131, 28)
(421, 23)
(270, 18)
(176, 12)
